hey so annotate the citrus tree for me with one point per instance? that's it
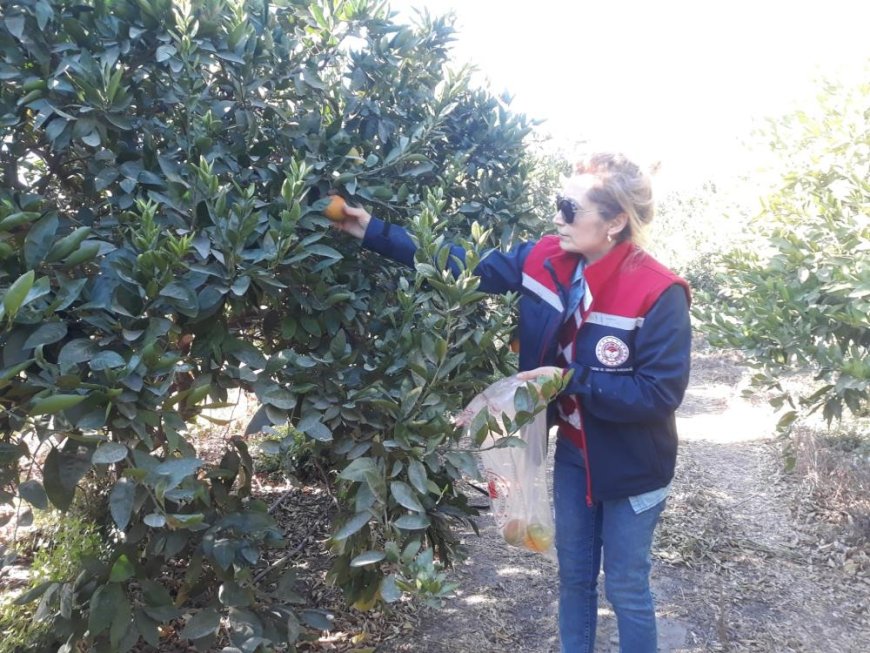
(797, 299)
(164, 167)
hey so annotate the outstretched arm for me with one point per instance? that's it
(499, 272)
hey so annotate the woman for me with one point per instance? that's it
(595, 305)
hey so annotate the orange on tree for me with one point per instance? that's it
(538, 538)
(335, 209)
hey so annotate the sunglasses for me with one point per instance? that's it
(568, 208)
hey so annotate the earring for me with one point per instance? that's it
(609, 238)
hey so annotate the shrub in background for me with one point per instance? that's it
(797, 298)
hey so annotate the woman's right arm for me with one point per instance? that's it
(499, 272)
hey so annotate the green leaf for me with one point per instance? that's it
(86, 251)
(184, 296)
(204, 623)
(389, 590)
(68, 244)
(352, 525)
(246, 353)
(318, 619)
(464, 462)
(338, 344)
(75, 352)
(15, 25)
(311, 426)
(16, 293)
(414, 522)
(106, 360)
(121, 502)
(232, 595)
(33, 593)
(183, 520)
(276, 396)
(55, 404)
(294, 629)
(68, 292)
(403, 493)
(105, 178)
(104, 603)
(120, 630)
(523, 401)
(108, 453)
(367, 558)
(418, 169)
(224, 553)
(33, 492)
(176, 470)
(46, 334)
(15, 370)
(418, 477)
(11, 453)
(121, 570)
(154, 520)
(61, 473)
(17, 219)
(324, 250)
(164, 52)
(479, 428)
(357, 469)
(787, 420)
(39, 239)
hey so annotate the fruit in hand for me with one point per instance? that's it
(538, 538)
(514, 532)
(335, 209)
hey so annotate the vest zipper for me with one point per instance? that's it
(563, 295)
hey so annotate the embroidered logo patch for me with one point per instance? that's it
(611, 351)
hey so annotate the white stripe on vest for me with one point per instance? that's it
(615, 321)
(543, 292)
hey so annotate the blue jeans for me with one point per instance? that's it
(582, 534)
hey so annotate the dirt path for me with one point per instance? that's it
(732, 571)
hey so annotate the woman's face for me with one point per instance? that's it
(587, 234)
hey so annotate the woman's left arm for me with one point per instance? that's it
(662, 360)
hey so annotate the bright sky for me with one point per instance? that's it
(678, 81)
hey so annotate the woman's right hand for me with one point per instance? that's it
(356, 220)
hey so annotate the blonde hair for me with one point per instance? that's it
(622, 188)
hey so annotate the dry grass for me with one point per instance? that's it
(833, 472)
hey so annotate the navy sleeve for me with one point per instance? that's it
(499, 272)
(662, 360)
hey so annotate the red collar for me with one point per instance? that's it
(597, 273)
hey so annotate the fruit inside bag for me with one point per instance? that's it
(517, 475)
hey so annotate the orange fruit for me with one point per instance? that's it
(538, 538)
(514, 532)
(335, 209)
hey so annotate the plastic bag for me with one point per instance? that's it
(516, 476)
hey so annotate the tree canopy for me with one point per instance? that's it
(165, 165)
